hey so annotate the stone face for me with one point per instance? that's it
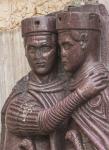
(37, 112)
(11, 14)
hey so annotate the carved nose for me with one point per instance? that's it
(38, 54)
(63, 52)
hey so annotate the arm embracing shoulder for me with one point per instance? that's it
(28, 117)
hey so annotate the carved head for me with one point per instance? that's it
(40, 40)
(79, 35)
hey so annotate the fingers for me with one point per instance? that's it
(91, 74)
(102, 81)
(102, 87)
(100, 78)
(98, 75)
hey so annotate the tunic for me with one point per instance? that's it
(20, 126)
(92, 119)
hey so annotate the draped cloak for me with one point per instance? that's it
(32, 98)
(93, 117)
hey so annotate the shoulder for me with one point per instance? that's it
(17, 90)
(22, 85)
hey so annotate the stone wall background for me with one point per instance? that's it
(13, 11)
(13, 64)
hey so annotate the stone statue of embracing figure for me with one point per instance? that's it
(49, 109)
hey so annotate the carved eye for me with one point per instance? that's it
(31, 49)
(67, 46)
(46, 48)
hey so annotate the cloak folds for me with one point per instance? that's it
(19, 116)
(93, 117)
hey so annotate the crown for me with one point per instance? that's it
(77, 20)
(38, 24)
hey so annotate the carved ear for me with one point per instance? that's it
(83, 40)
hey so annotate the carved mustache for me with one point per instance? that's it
(39, 62)
(64, 61)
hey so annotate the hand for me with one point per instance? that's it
(75, 137)
(93, 85)
(26, 145)
(71, 135)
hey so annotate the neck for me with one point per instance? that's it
(49, 77)
(85, 68)
(84, 71)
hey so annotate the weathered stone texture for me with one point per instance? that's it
(13, 11)
(13, 64)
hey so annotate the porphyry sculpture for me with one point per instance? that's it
(79, 39)
(36, 114)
